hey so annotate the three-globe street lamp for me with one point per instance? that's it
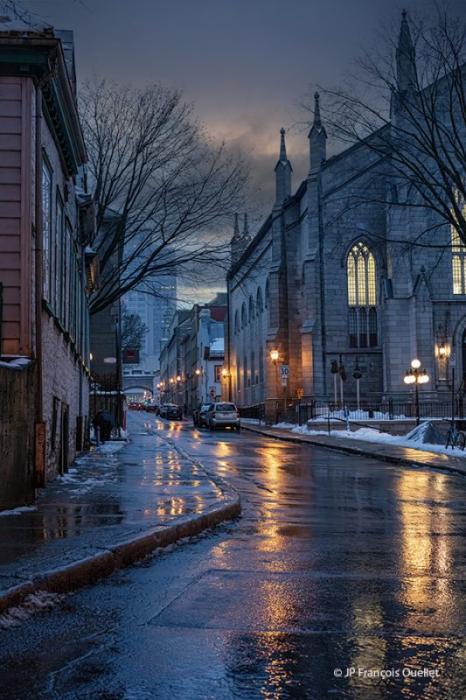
(415, 375)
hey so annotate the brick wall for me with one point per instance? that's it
(16, 436)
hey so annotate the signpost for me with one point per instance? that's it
(284, 373)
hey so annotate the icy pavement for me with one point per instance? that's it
(109, 495)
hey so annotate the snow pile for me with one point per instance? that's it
(41, 601)
(18, 511)
(325, 413)
(427, 433)
(372, 435)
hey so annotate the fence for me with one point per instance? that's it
(295, 411)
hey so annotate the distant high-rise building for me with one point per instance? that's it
(155, 303)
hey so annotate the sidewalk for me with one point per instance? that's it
(386, 452)
(117, 504)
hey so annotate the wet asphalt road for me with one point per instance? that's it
(336, 563)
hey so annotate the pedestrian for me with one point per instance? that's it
(105, 422)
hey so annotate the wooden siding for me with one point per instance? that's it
(15, 214)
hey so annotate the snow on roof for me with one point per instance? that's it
(217, 346)
(16, 362)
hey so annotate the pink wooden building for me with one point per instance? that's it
(44, 230)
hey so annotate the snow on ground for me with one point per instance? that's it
(111, 447)
(18, 511)
(412, 440)
(359, 414)
(42, 601)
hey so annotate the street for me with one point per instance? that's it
(343, 578)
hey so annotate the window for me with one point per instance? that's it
(253, 368)
(362, 297)
(458, 262)
(251, 309)
(267, 294)
(244, 319)
(66, 275)
(261, 365)
(259, 301)
(58, 247)
(237, 326)
(218, 373)
(245, 372)
(46, 184)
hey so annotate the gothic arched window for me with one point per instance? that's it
(251, 309)
(244, 318)
(236, 321)
(362, 297)
(458, 262)
(267, 293)
(259, 301)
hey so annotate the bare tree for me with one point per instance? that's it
(169, 189)
(408, 108)
(133, 330)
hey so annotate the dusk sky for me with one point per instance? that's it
(245, 64)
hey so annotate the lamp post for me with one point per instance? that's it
(357, 374)
(334, 371)
(226, 376)
(342, 373)
(275, 356)
(415, 375)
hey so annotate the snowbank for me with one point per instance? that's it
(18, 510)
(413, 439)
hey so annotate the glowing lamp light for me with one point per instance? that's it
(409, 378)
(172, 381)
(423, 378)
(415, 364)
(198, 371)
(225, 372)
(178, 379)
(274, 355)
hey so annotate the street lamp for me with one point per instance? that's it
(275, 356)
(415, 375)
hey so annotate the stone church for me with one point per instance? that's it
(322, 286)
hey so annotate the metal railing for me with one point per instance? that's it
(300, 411)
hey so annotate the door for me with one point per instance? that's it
(463, 359)
(64, 440)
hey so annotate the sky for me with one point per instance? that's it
(244, 64)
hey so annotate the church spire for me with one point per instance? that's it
(283, 172)
(282, 145)
(236, 227)
(406, 76)
(245, 227)
(317, 138)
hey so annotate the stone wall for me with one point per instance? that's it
(17, 393)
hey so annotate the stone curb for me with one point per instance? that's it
(350, 449)
(96, 567)
(91, 569)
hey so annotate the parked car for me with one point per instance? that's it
(135, 406)
(200, 415)
(223, 415)
(171, 411)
